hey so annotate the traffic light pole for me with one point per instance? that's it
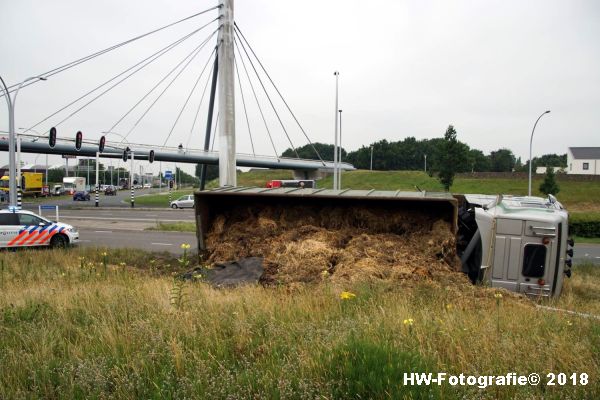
(97, 184)
(131, 182)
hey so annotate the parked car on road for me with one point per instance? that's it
(186, 201)
(20, 228)
(81, 196)
(110, 191)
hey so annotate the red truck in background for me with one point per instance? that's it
(305, 184)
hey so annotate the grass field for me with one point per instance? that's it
(72, 327)
(576, 196)
(160, 199)
(174, 227)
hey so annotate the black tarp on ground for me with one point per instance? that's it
(233, 273)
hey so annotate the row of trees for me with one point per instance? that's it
(412, 154)
(443, 157)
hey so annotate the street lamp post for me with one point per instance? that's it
(426, 163)
(530, 147)
(340, 154)
(12, 183)
(335, 146)
(371, 157)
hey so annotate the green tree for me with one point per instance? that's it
(549, 185)
(450, 157)
(502, 160)
(212, 171)
(308, 152)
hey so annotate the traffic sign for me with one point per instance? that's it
(168, 175)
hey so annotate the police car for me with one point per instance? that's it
(21, 228)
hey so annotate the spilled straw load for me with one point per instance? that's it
(306, 244)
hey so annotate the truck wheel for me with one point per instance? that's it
(59, 241)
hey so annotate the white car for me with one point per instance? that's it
(21, 228)
(186, 201)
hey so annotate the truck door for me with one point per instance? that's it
(541, 244)
(507, 254)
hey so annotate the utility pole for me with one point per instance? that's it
(227, 162)
(425, 162)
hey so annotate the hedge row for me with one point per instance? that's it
(585, 224)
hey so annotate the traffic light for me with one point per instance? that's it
(78, 140)
(135, 182)
(101, 144)
(52, 137)
(125, 154)
(151, 156)
(171, 184)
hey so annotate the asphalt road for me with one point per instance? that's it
(145, 240)
(121, 199)
(127, 228)
(586, 253)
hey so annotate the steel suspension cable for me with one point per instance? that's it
(108, 49)
(256, 98)
(189, 95)
(278, 92)
(212, 146)
(269, 98)
(144, 63)
(244, 103)
(197, 51)
(150, 91)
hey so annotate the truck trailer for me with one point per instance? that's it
(31, 184)
(72, 184)
(518, 243)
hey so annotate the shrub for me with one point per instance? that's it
(584, 224)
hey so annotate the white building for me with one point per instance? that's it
(583, 160)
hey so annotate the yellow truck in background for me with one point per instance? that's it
(31, 184)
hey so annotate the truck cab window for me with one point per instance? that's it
(534, 260)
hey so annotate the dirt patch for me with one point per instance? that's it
(303, 244)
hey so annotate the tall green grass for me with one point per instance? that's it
(71, 328)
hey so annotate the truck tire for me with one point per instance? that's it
(59, 241)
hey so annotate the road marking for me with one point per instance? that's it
(84, 240)
(79, 217)
(103, 231)
(162, 244)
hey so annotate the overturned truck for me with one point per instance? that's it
(307, 235)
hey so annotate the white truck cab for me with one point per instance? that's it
(21, 228)
(521, 243)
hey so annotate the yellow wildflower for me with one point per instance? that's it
(324, 274)
(347, 295)
(498, 295)
(185, 246)
(569, 323)
(104, 254)
(408, 322)
(448, 307)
